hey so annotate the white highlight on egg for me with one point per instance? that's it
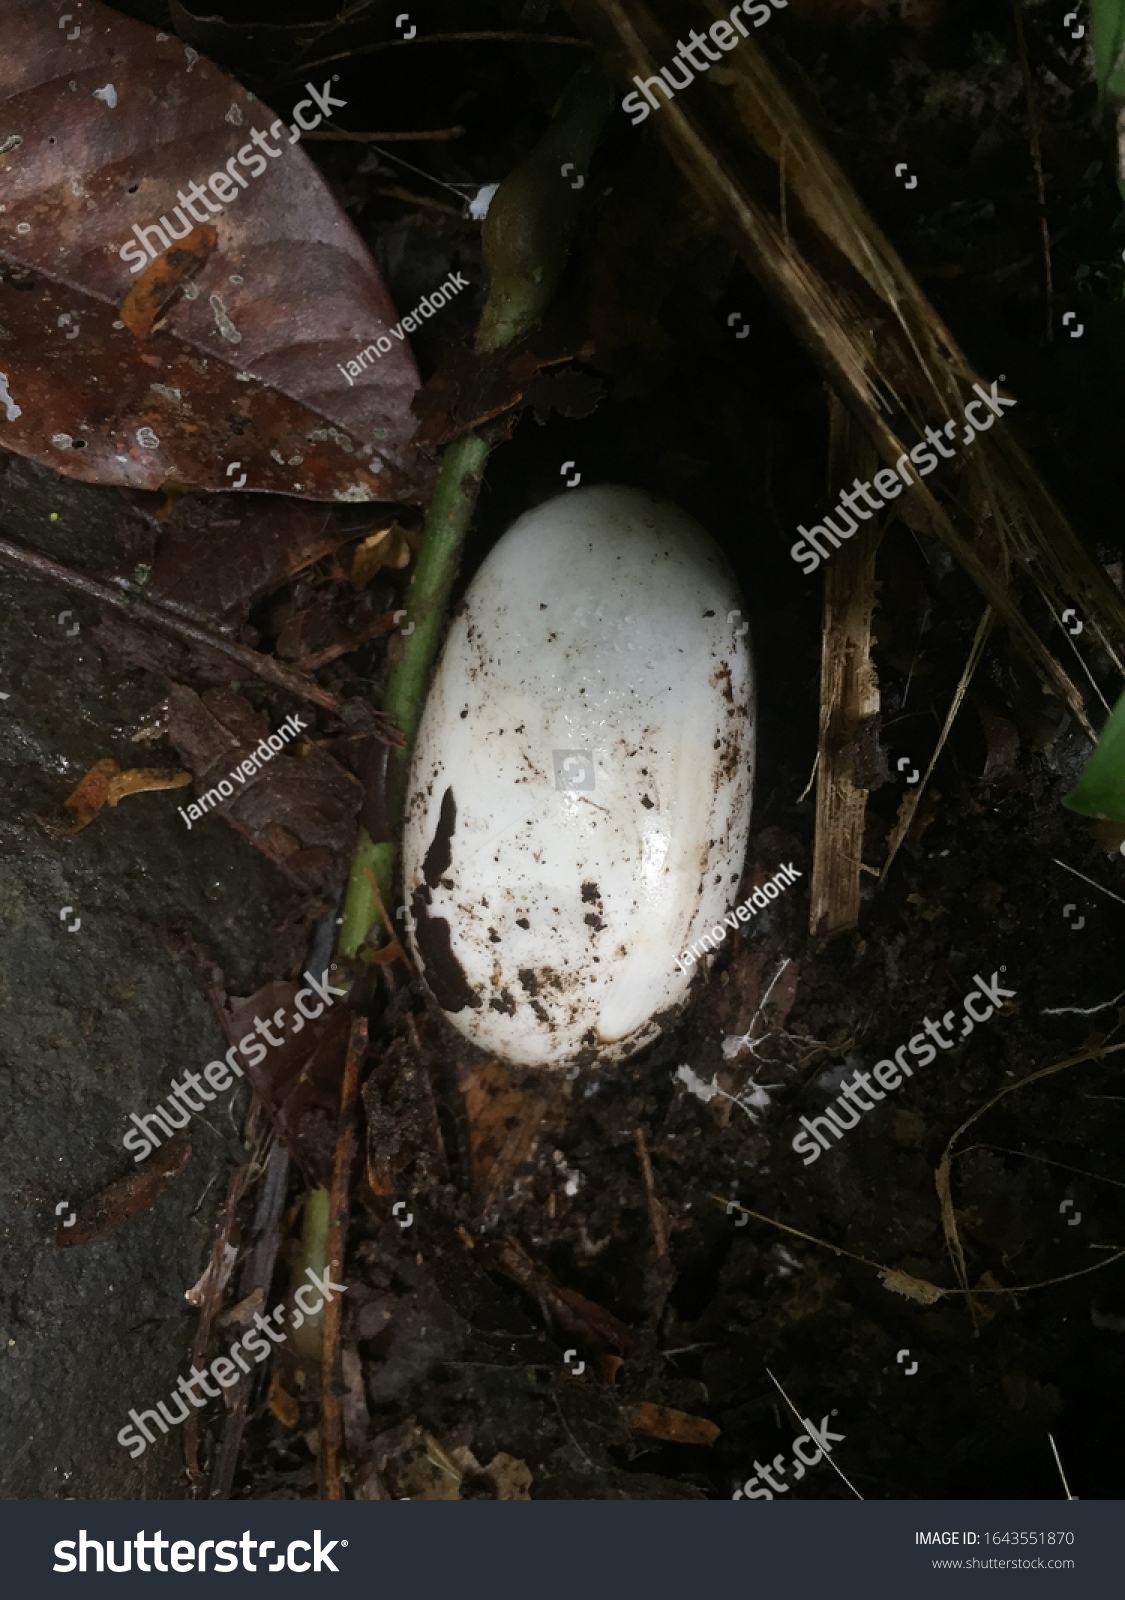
(549, 918)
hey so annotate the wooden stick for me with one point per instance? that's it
(495, 35)
(331, 1412)
(849, 701)
(105, 594)
(386, 138)
(655, 1210)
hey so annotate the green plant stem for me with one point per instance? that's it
(528, 234)
(447, 522)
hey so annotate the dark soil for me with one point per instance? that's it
(456, 1326)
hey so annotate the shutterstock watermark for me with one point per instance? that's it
(756, 12)
(225, 1369)
(144, 1138)
(811, 1142)
(891, 484)
(774, 1472)
(187, 1556)
(225, 185)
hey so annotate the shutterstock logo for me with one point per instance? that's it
(186, 1556)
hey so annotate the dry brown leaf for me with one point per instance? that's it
(511, 1477)
(128, 1197)
(504, 1123)
(105, 784)
(678, 1427)
(920, 1290)
(389, 547)
(282, 1403)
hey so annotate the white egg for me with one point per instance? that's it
(579, 798)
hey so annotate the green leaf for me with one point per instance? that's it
(1107, 24)
(1100, 791)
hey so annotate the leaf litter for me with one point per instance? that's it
(245, 371)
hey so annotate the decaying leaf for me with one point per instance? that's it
(299, 810)
(104, 785)
(504, 1123)
(129, 1196)
(284, 1407)
(218, 554)
(919, 1290)
(678, 1427)
(391, 547)
(298, 1082)
(106, 133)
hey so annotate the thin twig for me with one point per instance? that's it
(295, 683)
(387, 138)
(1026, 1155)
(495, 35)
(1077, 653)
(1037, 161)
(910, 803)
(1059, 1464)
(942, 1175)
(935, 1289)
(1090, 881)
(395, 191)
(332, 1420)
(655, 1213)
(804, 1421)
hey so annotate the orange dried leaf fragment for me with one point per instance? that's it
(105, 784)
(161, 282)
(679, 1427)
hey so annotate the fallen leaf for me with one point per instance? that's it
(919, 1290)
(129, 1196)
(299, 810)
(105, 784)
(678, 1427)
(1003, 742)
(504, 1123)
(218, 554)
(298, 1081)
(282, 1403)
(511, 1477)
(103, 133)
(391, 547)
(470, 389)
(243, 1314)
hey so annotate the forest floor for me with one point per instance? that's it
(590, 1218)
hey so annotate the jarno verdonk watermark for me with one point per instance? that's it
(743, 913)
(810, 1143)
